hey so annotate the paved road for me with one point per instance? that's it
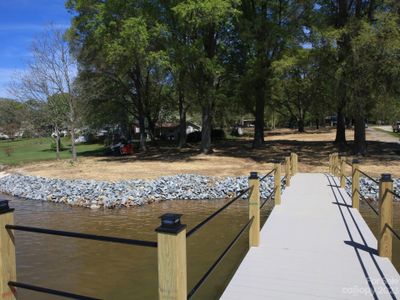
(314, 246)
(376, 135)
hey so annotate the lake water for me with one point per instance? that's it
(113, 271)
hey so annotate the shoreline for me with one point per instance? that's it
(96, 194)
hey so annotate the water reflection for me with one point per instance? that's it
(113, 271)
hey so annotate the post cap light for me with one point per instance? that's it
(4, 208)
(386, 177)
(253, 175)
(171, 223)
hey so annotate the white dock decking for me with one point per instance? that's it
(314, 246)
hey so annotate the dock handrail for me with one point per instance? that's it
(171, 240)
(337, 166)
(213, 215)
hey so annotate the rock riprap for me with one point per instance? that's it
(370, 189)
(96, 194)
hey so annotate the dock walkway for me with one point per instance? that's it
(315, 246)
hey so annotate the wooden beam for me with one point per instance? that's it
(385, 239)
(7, 256)
(355, 184)
(277, 183)
(254, 209)
(172, 269)
(287, 171)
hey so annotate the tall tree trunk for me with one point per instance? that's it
(142, 129)
(360, 144)
(151, 127)
(300, 124)
(73, 146)
(317, 123)
(58, 143)
(341, 131)
(182, 121)
(206, 128)
(258, 140)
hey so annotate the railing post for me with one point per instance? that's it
(355, 184)
(254, 209)
(342, 173)
(171, 249)
(7, 253)
(330, 163)
(337, 164)
(277, 183)
(296, 163)
(292, 166)
(287, 170)
(385, 245)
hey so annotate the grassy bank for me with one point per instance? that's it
(39, 149)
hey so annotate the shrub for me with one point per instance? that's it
(8, 150)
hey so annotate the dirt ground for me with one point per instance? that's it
(230, 158)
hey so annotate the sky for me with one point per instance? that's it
(20, 22)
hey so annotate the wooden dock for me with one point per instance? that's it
(315, 246)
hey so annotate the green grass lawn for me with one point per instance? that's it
(37, 149)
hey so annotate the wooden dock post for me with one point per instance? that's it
(330, 163)
(287, 170)
(293, 163)
(342, 173)
(7, 253)
(337, 173)
(254, 209)
(385, 243)
(355, 184)
(171, 248)
(277, 182)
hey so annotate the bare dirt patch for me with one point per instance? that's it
(230, 158)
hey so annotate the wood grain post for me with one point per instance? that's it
(277, 183)
(292, 166)
(254, 209)
(296, 159)
(355, 184)
(336, 164)
(342, 172)
(385, 243)
(330, 163)
(287, 170)
(7, 253)
(171, 249)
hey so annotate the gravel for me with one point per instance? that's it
(95, 194)
(370, 189)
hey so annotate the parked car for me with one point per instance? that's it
(396, 126)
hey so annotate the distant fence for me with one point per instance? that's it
(337, 166)
(171, 240)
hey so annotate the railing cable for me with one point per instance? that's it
(206, 220)
(268, 198)
(215, 264)
(265, 176)
(393, 232)
(49, 291)
(83, 236)
(366, 175)
(369, 204)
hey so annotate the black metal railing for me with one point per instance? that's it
(49, 291)
(70, 234)
(366, 175)
(265, 176)
(268, 198)
(219, 259)
(209, 218)
(367, 201)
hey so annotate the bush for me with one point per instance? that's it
(8, 150)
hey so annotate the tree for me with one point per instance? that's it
(207, 23)
(266, 28)
(50, 78)
(123, 41)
